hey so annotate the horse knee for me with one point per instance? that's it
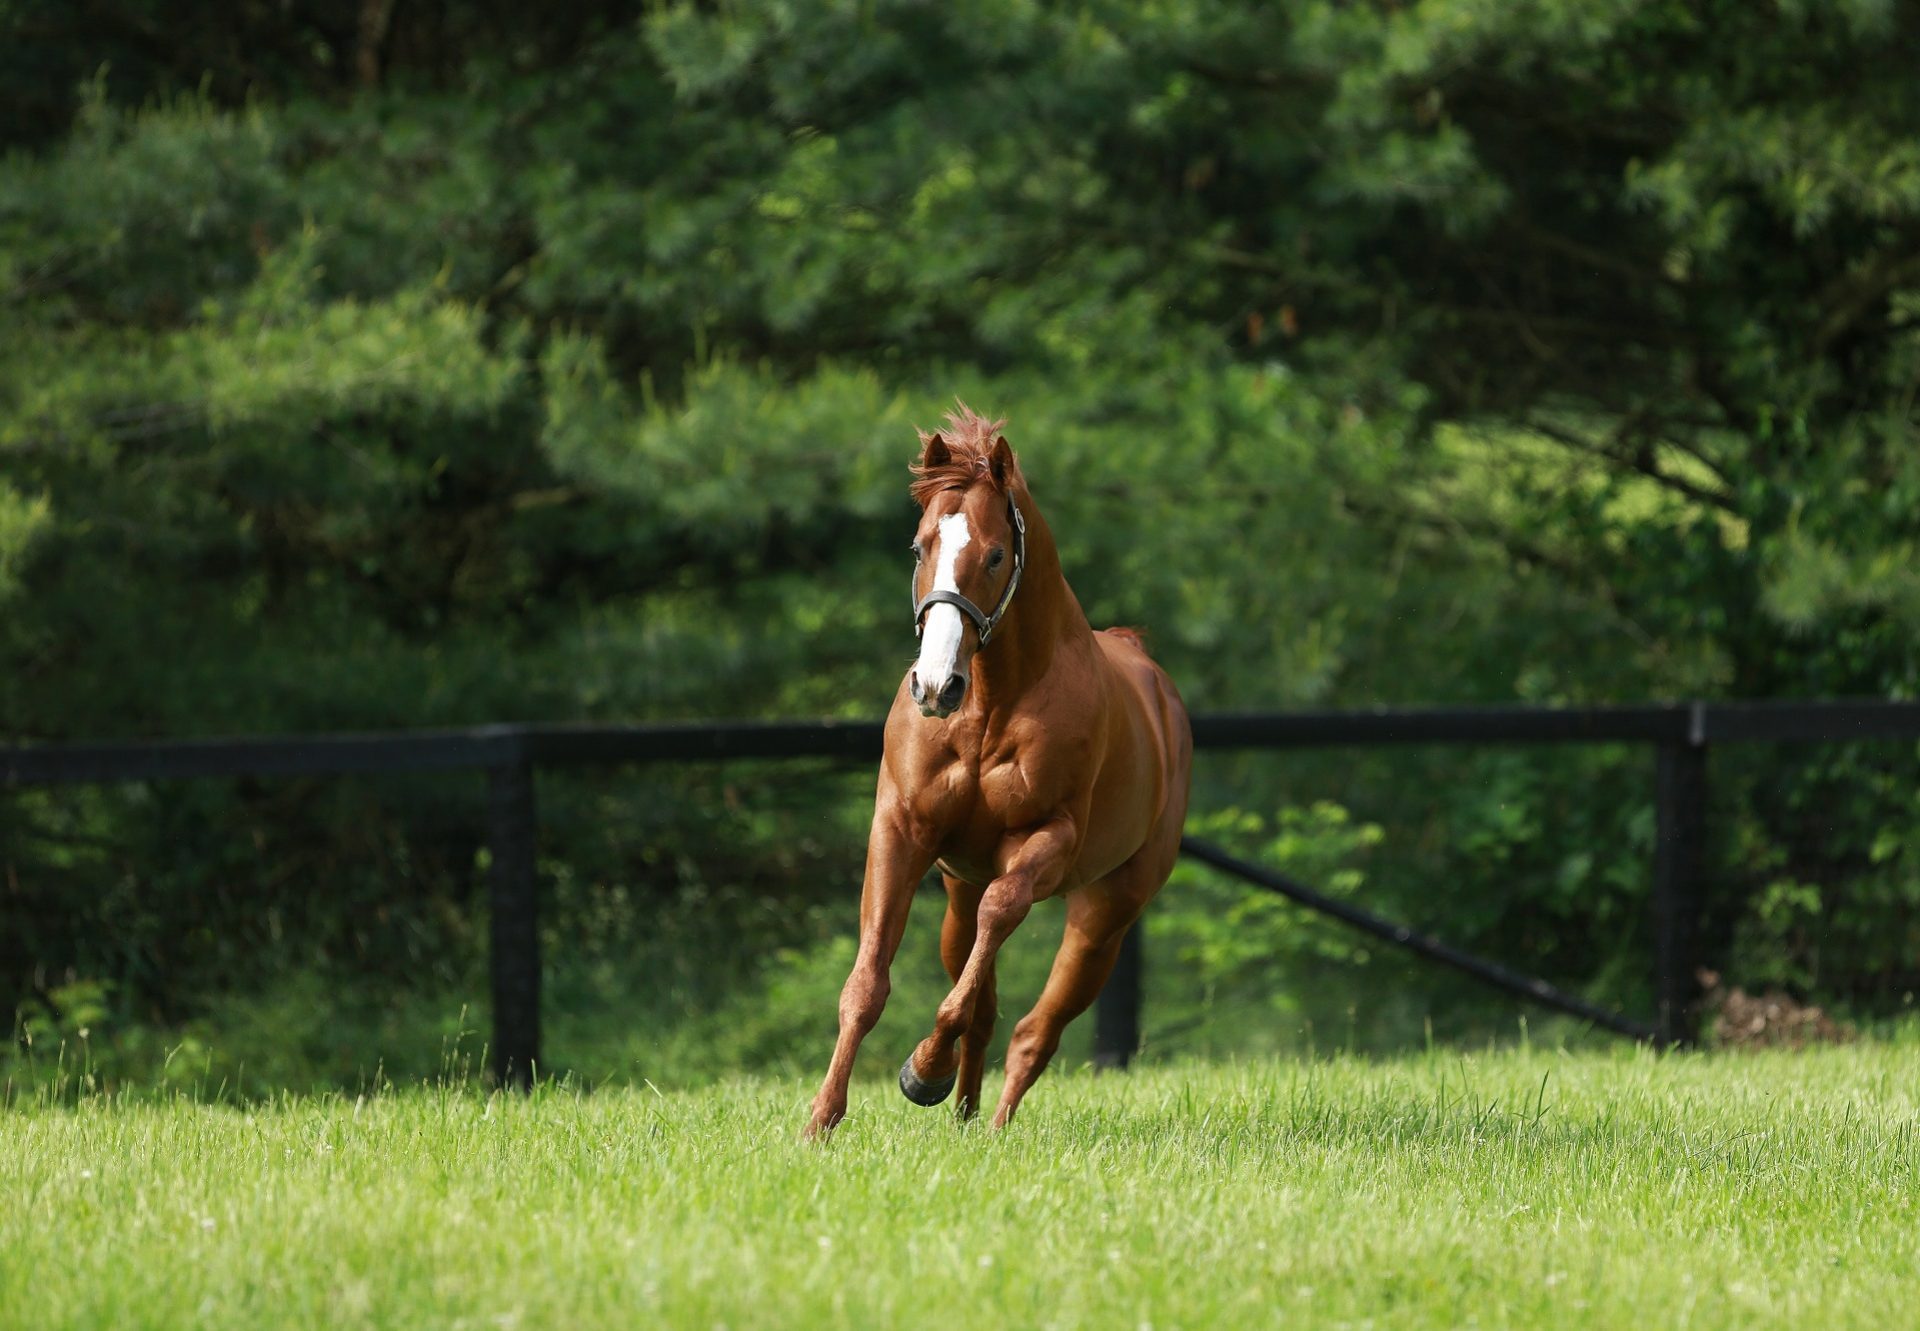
(863, 999)
(1004, 904)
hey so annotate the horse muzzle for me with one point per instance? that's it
(941, 701)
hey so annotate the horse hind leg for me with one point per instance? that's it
(1080, 969)
(1098, 918)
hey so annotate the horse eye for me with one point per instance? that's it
(918, 553)
(996, 559)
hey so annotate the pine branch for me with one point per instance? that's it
(1642, 460)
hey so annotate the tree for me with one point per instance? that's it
(419, 366)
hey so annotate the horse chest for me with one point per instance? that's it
(1000, 796)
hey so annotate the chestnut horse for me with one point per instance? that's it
(1027, 756)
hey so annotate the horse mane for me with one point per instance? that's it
(969, 438)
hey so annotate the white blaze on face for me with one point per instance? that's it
(940, 638)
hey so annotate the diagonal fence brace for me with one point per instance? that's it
(1425, 945)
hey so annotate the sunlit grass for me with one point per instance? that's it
(1521, 1187)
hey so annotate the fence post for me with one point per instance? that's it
(515, 932)
(1678, 858)
(1116, 1016)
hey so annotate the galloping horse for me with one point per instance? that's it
(1029, 757)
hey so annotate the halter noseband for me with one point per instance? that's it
(985, 623)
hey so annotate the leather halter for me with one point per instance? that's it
(983, 622)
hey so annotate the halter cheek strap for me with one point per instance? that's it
(983, 622)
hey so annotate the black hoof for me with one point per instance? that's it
(925, 1092)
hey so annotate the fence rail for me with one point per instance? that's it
(1680, 734)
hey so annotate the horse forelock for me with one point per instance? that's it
(969, 438)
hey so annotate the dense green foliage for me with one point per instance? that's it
(426, 365)
(1515, 1189)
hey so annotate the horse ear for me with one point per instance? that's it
(934, 451)
(1000, 461)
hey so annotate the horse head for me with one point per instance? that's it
(969, 552)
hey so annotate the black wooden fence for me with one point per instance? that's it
(1679, 733)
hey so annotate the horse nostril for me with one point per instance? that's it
(950, 695)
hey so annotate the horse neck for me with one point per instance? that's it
(1043, 617)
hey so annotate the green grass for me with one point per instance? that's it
(1527, 1188)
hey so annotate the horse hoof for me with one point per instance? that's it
(925, 1092)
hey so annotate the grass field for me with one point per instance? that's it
(1527, 1188)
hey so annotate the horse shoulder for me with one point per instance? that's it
(1022, 778)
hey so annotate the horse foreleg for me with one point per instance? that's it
(1032, 871)
(895, 864)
